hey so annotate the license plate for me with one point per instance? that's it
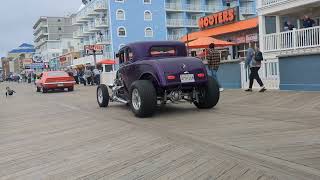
(186, 78)
(60, 85)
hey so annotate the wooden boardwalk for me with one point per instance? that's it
(258, 136)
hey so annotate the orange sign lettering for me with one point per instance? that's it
(218, 18)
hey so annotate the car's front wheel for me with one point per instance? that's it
(44, 90)
(143, 99)
(103, 95)
(38, 89)
(209, 95)
(71, 88)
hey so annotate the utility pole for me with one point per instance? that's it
(94, 58)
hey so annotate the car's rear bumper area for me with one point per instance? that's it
(59, 85)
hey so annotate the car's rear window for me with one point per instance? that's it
(158, 51)
(57, 74)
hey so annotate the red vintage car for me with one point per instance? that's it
(52, 80)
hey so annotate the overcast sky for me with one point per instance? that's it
(18, 16)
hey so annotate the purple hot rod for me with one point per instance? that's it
(155, 72)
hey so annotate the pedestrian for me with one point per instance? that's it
(308, 22)
(288, 26)
(96, 74)
(213, 63)
(253, 60)
(81, 77)
(75, 75)
(88, 75)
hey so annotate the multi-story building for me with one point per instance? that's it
(21, 57)
(182, 15)
(53, 36)
(114, 23)
(291, 42)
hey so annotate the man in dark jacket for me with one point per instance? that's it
(308, 22)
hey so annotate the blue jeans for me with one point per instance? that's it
(213, 73)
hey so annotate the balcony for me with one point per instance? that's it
(292, 40)
(247, 10)
(92, 27)
(213, 8)
(103, 40)
(285, 6)
(77, 35)
(174, 37)
(91, 11)
(101, 23)
(191, 23)
(175, 22)
(174, 6)
(100, 6)
(193, 7)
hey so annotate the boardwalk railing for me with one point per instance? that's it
(269, 74)
(295, 39)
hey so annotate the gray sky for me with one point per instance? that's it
(18, 16)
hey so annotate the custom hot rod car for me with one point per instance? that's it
(157, 72)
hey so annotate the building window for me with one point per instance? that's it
(120, 1)
(120, 14)
(147, 16)
(122, 32)
(146, 1)
(148, 32)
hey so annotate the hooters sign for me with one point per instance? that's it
(219, 18)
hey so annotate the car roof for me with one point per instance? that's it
(141, 48)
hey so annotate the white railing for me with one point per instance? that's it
(174, 6)
(271, 2)
(101, 22)
(269, 74)
(247, 10)
(213, 8)
(100, 5)
(175, 22)
(193, 7)
(174, 37)
(191, 22)
(103, 40)
(295, 39)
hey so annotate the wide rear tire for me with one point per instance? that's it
(143, 98)
(103, 95)
(211, 95)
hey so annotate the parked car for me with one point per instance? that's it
(52, 80)
(157, 72)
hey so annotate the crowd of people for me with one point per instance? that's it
(88, 75)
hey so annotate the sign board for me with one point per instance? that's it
(37, 58)
(251, 37)
(27, 61)
(240, 39)
(37, 66)
(94, 49)
(219, 18)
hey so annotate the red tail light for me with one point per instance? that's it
(201, 75)
(171, 77)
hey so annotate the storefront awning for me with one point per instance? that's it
(225, 29)
(204, 42)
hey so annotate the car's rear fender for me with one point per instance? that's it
(151, 77)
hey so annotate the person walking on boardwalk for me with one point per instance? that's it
(253, 60)
(213, 63)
